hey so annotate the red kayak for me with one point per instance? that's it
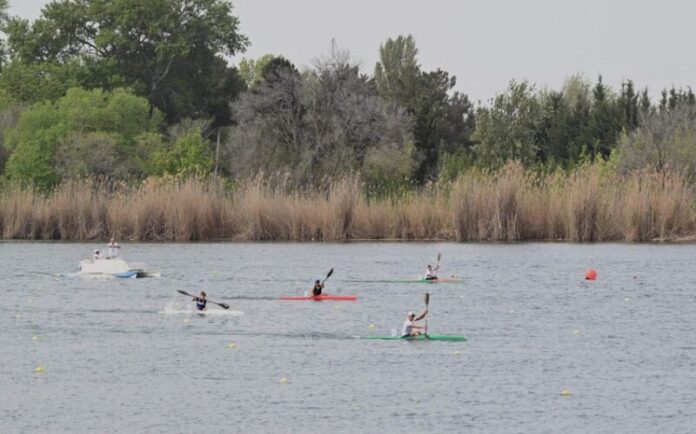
(322, 297)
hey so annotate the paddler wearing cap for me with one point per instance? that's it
(410, 327)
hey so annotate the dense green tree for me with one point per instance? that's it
(443, 119)
(564, 126)
(34, 82)
(443, 123)
(170, 51)
(605, 124)
(10, 110)
(508, 129)
(627, 106)
(398, 74)
(189, 155)
(674, 99)
(54, 139)
(251, 70)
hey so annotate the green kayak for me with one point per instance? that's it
(449, 338)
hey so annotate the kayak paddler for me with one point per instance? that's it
(410, 327)
(431, 273)
(317, 288)
(201, 301)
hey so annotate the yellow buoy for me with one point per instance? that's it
(372, 326)
(231, 345)
(39, 370)
(565, 392)
(576, 332)
(284, 380)
(34, 338)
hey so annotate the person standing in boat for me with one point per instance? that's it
(317, 288)
(431, 273)
(113, 248)
(201, 301)
(411, 328)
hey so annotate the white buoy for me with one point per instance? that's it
(34, 338)
(284, 380)
(231, 345)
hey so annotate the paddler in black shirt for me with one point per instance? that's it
(317, 288)
(201, 301)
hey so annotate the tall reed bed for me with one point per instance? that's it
(591, 203)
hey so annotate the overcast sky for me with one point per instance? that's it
(483, 43)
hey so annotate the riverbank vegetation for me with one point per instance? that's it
(592, 203)
(139, 119)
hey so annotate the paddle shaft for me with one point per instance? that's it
(222, 305)
(427, 300)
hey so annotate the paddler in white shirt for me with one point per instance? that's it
(431, 273)
(410, 327)
(113, 248)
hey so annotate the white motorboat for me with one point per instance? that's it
(115, 267)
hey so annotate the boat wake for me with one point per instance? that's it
(177, 309)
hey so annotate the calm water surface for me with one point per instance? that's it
(623, 346)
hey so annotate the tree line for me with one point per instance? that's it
(127, 89)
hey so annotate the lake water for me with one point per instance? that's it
(623, 346)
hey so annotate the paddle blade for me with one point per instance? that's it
(439, 255)
(329, 273)
(427, 298)
(224, 305)
(183, 292)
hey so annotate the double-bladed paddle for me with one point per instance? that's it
(327, 276)
(222, 305)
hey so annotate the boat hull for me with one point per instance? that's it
(447, 338)
(114, 267)
(321, 297)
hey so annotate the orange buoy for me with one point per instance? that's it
(591, 274)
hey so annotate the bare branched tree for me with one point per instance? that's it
(314, 124)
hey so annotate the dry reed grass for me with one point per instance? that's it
(589, 204)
